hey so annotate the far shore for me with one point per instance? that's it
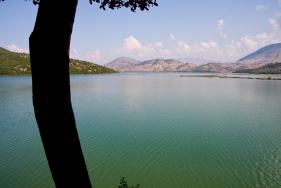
(240, 77)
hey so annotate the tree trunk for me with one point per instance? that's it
(49, 54)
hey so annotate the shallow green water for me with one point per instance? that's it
(159, 130)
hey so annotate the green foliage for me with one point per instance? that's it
(12, 63)
(123, 184)
(132, 4)
(83, 67)
(112, 4)
(271, 68)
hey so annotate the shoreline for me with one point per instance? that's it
(217, 76)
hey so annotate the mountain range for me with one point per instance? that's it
(265, 55)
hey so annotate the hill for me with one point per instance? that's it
(126, 64)
(12, 63)
(264, 55)
(271, 68)
(199, 61)
(122, 63)
(157, 65)
(216, 67)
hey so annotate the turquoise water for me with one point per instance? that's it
(159, 130)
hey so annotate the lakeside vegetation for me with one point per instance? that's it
(12, 63)
(271, 68)
(240, 77)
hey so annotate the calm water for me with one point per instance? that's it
(159, 130)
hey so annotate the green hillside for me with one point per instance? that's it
(271, 68)
(12, 63)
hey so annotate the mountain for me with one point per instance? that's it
(158, 65)
(264, 55)
(12, 63)
(216, 67)
(199, 61)
(126, 64)
(122, 63)
(271, 68)
(187, 67)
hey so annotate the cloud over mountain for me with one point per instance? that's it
(15, 48)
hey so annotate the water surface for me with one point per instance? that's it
(159, 130)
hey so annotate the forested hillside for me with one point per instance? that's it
(271, 68)
(12, 63)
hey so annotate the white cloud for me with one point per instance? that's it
(94, 56)
(220, 25)
(172, 37)
(165, 51)
(262, 7)
(15, 48)
(230, 52)
(206, 49)
(133, 48)
(74, 54)
(232, 49)
(131, 43)
(261, 40)
(183, 47)
(158, 44)
(209, 45)
(249, 44)
(274, 24)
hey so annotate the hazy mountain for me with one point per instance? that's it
(122, 63)
(126, 64)
(264, 55)
(187, 67)
(216, 67)
(158, 65)
(199, 61)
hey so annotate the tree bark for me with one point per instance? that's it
(49, 54)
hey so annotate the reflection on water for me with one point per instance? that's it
(159, 130)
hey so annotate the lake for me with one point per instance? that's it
(155, 129)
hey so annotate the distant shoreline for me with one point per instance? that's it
(240, 77)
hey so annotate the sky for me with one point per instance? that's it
(217, 30)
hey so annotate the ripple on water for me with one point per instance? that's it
(157, 131)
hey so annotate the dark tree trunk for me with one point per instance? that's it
(49, 53)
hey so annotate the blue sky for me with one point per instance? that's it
(219, 30)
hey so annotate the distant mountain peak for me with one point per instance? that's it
(267, 54)
(125, 58)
